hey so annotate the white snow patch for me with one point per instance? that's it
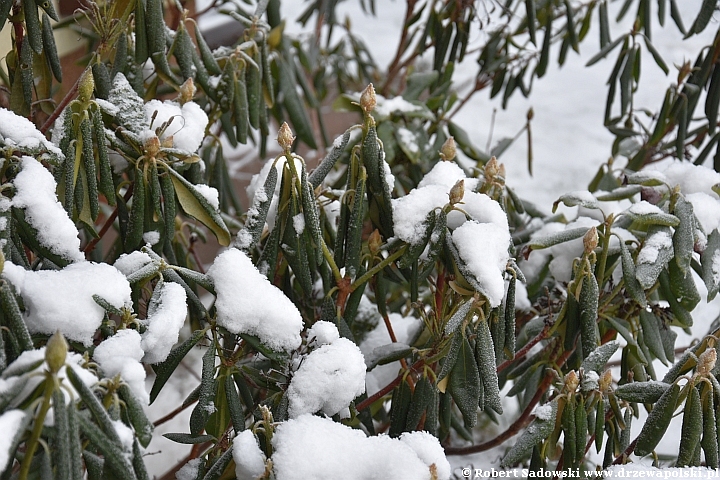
(315, 447)
(121, 355)
(152, 237)
(328, 379)
(248, 303)
(63, 299)
(186, 125)
(10, 422)
(488, 263)
(299, 223)
(36, 196)
(322, 333)
(189, 471)
(249, 459)
(20, 132)
(165, 319)
(210, 194)
(129, 263)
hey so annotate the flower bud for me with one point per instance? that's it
(86, 85)
(187, 91)
(572, 381)
(457, 192)
(152, 146)
(605, 381)
(55, 352)
(590, 240)
(375, 242)
(367, 99)
(706, 362)
(448, 151)
(491, 169)
(285, 137)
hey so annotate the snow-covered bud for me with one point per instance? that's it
(86, 85)
(55, 352)
(152, 146)
(448, 151)
(572, 381)
(590, 240)
(605, 381)
(187, 91)
(367, 99)
(457, 192)
(706, 362)
(285, 137)
(375, 242)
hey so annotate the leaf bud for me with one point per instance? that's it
(152, 146)
(491, 169)
(448, 151)
(86, 85)
(55, 352)
(285, 137)
(367, 99)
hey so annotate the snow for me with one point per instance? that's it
(408, 139)
(481, 208)
(10, 423)
(428, 449)
(258, 181)
(299, 223)
(189, 471)
(329, 378)
(125, 434)
(63, 299)
(249, 459)
(322, 333)
(129, 263)
(447, 174)
(644, 208)
(653, 244)
(186, 123)
(692, 178)
(409, 212)
(210, 194)
(590, 381)
(387, 107)
(165, 318)
(544, 412)
(405, 328)
(121, 355)
(318, 448)
(152, 237)
(35, 194)
(248, 303)
(486, 264)
(17, 131)
(706, 209)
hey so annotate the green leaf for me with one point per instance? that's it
(195, 205)
(557, 238)
(710, 261)
(692, 428)
(465, 383)
(642, 392)
(111, 450)
(188, 439)
(540, 429)
(599, 357)
(605, 50)
(164, 370)
(657, 421)
(704, 15)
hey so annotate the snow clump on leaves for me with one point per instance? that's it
(248, 303)
(63, 299)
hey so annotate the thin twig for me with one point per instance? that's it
(61, 106)
(522, 352)
(172, 414)
(384, 391)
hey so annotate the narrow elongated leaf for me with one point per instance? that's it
(164, 370)
(465, 383)
(657, 422)
(540, 429)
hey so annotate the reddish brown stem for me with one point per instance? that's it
(522, 352)
(172, 414)
(61, 106)
(384, 391)
(396, 66)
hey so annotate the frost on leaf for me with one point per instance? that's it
(538, 431)
(130, 112)
(656, 252)
(248, 303)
